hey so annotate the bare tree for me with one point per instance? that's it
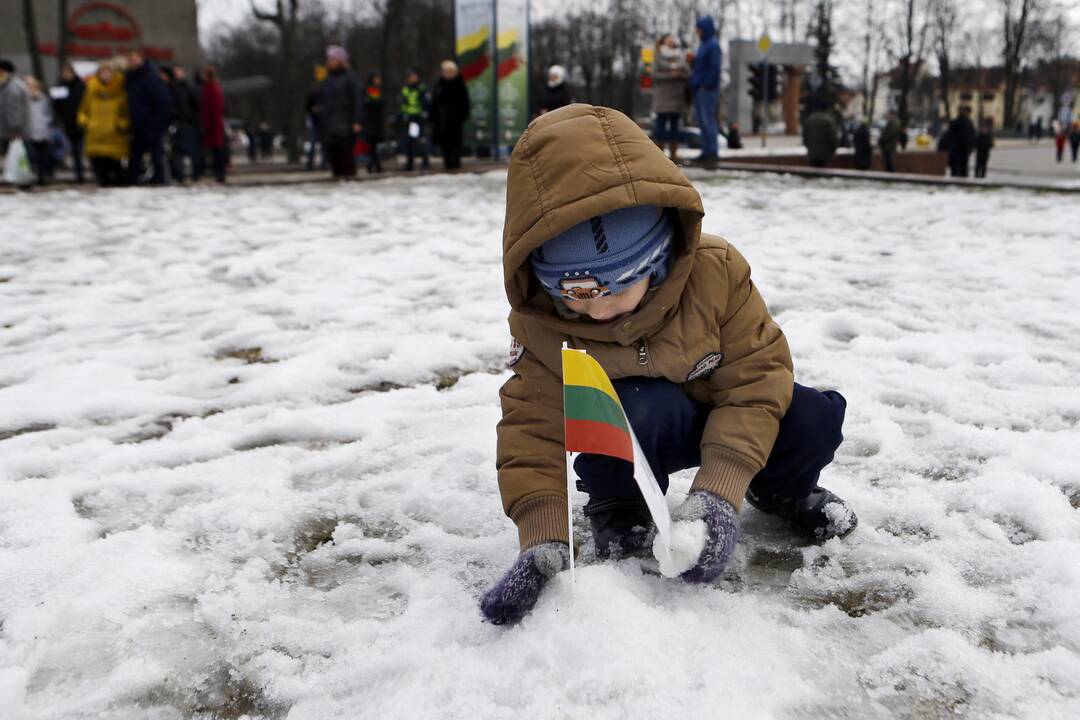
(943, 18)
(61, 33)
(872, 41)
(390, 14)
(822, 89)
(376, 43)
(976, 44)
(30, 28)
(1051, 36)
(286, 23)
(1017, 16)
(909, 53)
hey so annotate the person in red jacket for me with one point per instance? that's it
(213, 120)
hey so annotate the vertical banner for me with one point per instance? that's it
(512, 71)
(474, 27)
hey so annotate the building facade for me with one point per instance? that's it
(983, 91)
(166, 32)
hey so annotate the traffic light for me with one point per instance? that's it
(756, 81)
(772, 82)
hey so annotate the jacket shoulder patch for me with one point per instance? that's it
(517, 351)
(705, 366)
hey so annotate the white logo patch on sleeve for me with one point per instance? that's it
(705, 366)
(517, 350)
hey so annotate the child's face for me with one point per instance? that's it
(610, 307)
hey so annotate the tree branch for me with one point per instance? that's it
(275, 17)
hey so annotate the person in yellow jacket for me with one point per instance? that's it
(603, 250)
(103, 115)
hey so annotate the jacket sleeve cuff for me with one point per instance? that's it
(541, 519)
(724, 474)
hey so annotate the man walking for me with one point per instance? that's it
(186, 143)
(14, 106)
(890, 136)
(864, 151)
(821, 137)
(68, 94)
(705, 84)
(150, 105)
(984, 142)
(959, 141)
(340, 109)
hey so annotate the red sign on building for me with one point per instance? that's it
(102, 30)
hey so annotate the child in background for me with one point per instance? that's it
(373, 120)
(39, 121)
(603, 249)
(984, 141)
(414, 109)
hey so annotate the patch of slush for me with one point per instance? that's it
(247, 465)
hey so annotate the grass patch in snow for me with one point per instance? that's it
(25, 430)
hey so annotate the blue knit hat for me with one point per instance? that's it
(606, 254)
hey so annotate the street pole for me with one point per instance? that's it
(764, 45)
(764, 101)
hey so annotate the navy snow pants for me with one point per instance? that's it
(669, 426)
(142, 144)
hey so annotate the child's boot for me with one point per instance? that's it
(620, 527)
(819, 516)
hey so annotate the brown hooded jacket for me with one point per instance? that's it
(573, 164)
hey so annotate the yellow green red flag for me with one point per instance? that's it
(594, 420)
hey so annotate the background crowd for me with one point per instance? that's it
(134, 121)
(347, 120)
(961, 139)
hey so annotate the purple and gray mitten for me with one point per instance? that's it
(510, 599)
(722, 532)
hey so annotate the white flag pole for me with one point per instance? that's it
(654, 497)
(570, 520)
(569, 499)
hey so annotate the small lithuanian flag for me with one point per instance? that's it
(594, 420)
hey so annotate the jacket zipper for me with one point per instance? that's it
(643, 352)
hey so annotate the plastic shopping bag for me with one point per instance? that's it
(17, 164)
(414, 130)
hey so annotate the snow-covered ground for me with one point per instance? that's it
(247, 465)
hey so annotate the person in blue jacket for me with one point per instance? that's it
(150, 105)
(705, 85)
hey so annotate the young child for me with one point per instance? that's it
(603, 249)
(40, 118)
(984, 142)
(414, 109)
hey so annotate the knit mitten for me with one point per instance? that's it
(516, 592)
(722, 532)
